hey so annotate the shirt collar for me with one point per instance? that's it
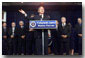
(63, 24)
(22, 26)
(13, 27)
(4, 27)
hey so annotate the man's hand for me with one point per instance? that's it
(23, 12)
(23, 36)
(12, 36)
(80, 35)
(64, 36)
(5, 36)
(72, 52)
(49, 35)
(31, 29)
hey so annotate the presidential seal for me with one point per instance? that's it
(32, 23)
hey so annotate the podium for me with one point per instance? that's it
(45, 24)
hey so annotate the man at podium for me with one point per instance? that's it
(38, 32)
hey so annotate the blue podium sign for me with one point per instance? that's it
(45, 24)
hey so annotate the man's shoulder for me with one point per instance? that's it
(76, 25)
(47, 15)
(39, 15)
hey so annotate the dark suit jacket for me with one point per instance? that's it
(78, 29)
(38, 32)
(21, 31)
(37, 17)
(15, 32)
(65, 31)
(4, 32)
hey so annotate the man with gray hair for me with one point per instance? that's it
(65, 31)
(41, 45)
(21, 40)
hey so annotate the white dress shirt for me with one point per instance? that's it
(63, 24)
(22, 26)
(42, 16)
(13, 29)
(4, 29)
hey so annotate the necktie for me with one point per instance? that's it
(63, 25)
(41, 17)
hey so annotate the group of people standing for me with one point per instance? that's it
(23, 40)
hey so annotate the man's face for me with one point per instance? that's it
(21, 23)
(41, 10)
(63, 19)
(4, 24)
(79, 20)
(13, 24)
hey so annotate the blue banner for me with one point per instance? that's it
(45, 24)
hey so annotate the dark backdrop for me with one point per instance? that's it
(71, 12)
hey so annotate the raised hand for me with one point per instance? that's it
(22, 11)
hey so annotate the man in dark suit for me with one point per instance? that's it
(78, 29)
(38, 32)
(55, 34)
(4, 39)
(13, 35)
(22, 38)
(65, 31)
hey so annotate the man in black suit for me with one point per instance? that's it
(22, 38)
(78, 29)
(13, 35)
(4, 39)
(55, 34)
(38, 32)
(65, 31)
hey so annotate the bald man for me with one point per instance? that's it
(22, 38)
(65, 31)
(78, 29)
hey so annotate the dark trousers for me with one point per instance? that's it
(13, 46)
(21, 46)
(65, 46)
(80, 46)
(15, 49)
(56, 46)
(38, 44)
(30, 47)
(30, 43)
(4, 46)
